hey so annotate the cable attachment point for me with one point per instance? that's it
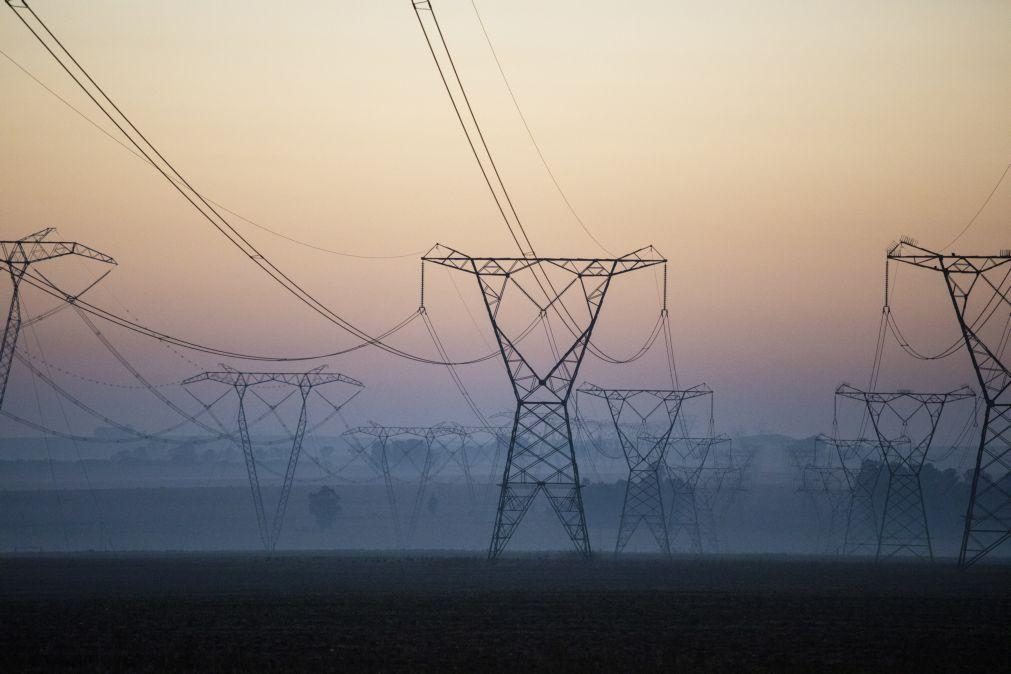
(421, 306)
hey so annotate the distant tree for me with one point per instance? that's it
(433, 504)
(325, 506)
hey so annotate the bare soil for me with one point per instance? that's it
(328, 611)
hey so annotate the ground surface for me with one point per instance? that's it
(330, 611)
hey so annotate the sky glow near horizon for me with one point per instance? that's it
(771, 153)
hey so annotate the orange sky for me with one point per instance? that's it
(770, 150)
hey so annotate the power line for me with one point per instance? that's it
(154, 157)
(51, 289)
(980, 210)
(245, 219)
(503, 203)
(141, 143)
(986, 314)
(530, 134)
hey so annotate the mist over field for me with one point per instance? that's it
(182, 498)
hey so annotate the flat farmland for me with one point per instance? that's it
(242, 611)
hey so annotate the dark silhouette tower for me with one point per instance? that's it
(904, 527)
(394, 449)
(270, 531)
(978, 286)
(18, 256)
(644, 452)
(541, 456)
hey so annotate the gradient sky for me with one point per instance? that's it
(771, 151)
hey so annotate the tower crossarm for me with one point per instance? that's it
(909, 252)
(491, 430)
(580, 266)
(415, 431)
(662, 394)
(30, 250)
(883, 397)
(310, 379)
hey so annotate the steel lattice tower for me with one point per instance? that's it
(824, 476)
(644, 453)
(440, 444)
(988, 518)
(859, 460)
(904, 527)
(18, 256)
(688, 459)
(270, 531)
(541, 455)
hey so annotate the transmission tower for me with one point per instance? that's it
(978, 286)
(688, 458)
(825, 479)
(860, 463)
(270, 532)
(18, 256)
(394, 448)
(644, 452)
(541, 455)
(904, 527)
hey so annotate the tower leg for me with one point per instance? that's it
(988, 519)
(863, 528)
(12, 329)
(419, 496)
(254, 480)
(904, 521)
(391, 493)
(684, 518)
(643, 504)
(541, 456)
(289, 473)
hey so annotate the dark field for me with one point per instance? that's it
(329, 611)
